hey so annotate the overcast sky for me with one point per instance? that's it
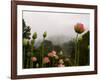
(56, 24)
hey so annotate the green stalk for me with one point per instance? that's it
(27, 63)
(43, 51)
(78, 54)
(76, 49)
(52, 62)
(31, 62)
(70, 63)
(24, 66)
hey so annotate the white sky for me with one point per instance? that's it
(56, 24)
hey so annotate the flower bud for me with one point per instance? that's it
(54, 52)
(50, 54)
(79, 28)
(34, 35)
(34, 59)
(44, 34)
(25, 41)
(46, 60)
(37, 65)
(61, 53)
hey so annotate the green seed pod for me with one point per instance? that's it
(61, 53)
(25, 41)
(34, 35)
(37, 65)
(45, 34)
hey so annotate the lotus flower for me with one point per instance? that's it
(46, 60)
(50, 54)
(79, 28)
(54, 52)
(34, 59)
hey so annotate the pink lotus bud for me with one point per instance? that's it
(79, 28)
(61, 65)
(50, 54)
(34, 59)
(54, 52)
(46, 60)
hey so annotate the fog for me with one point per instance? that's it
(59, 26)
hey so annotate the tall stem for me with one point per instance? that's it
(27, 66)
(42, 50)
(53, 62)
(76, 49)
(24, 57)
(78, 53)
(32, 46)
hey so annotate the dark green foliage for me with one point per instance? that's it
(48, 46)
(26, 30)
(57, 48)
(68, 48)
(27, 47)
(26, 55)
(84, 51)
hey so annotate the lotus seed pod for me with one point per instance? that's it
(34, 35)
(61, 53)
(37, 65)
(25, 41)
(44, 34)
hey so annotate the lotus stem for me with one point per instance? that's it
(32, 46)
(24, 57)
(78, 53)
(42, 54)
(76, 49)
